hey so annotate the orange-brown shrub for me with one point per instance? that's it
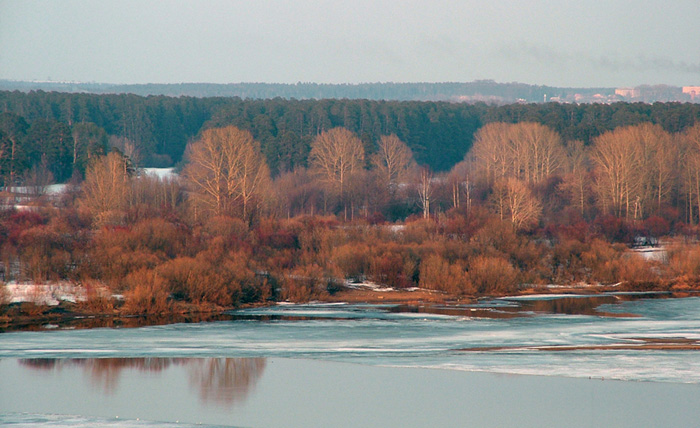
(270, 233)
(637, 272)
(157, 236)
(305, 283)
(316, 242)
(146, 293)
(113, 264)
(206, 279)
(437, 273)
(601, 260)
(566, 263)
(44, 254)
(419, 231)
(98, 299)
(684, 260)
(233, 230)
(394, 265)
(283, 259)
(352, 260)
(454, 250)
(492, 275)
(496, 237)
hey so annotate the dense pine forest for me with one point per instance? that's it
(285, 199)
(159, 128)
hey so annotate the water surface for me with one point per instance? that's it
(306, 393)
(371, 365)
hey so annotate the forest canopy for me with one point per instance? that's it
(155, 130)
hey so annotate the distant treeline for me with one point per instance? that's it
(484, 90)
(66, 128)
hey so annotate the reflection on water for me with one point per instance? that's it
(512, 307)
(306, 393)
(87, 322)
(225, 380)
(588, 305)
(220, 381)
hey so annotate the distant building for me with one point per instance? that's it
(693, 91)
(627, 92)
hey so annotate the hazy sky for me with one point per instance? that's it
(562, 43)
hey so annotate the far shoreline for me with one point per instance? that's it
(66, 314)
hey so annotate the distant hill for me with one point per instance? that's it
(478, 91)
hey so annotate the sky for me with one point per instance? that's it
(571, 43)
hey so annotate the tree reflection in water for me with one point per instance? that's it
(220, 381)
(225, 380)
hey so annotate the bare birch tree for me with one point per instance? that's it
(528, 151)
(491, 151)
(576, 181)
(662, 162)
(392, 161)
(462, 183)
(616, 159)
(513, 200)
(335, 156)
(105, 190)
(634, 169)
(540, 151)
(690, 167)
(227, 170)
(425, 190)
(38, 178)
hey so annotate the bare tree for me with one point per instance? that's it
(491, 151)
(461, 181)
(528, 151)
(634, 169)
(425, 190)
(248, 173)
(576, 181)
(106, 188)
(392, 161)
(37, 179)
(662, 162)
(335, 156)
(539, 149)
(226, 169)
(297, 193)
(616, 159)
(513, 200)
(690, 167)
(127, 147)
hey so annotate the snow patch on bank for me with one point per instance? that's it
(50, 294)
(55, 189)
(161, 173)
(368, 286)
(659, 254)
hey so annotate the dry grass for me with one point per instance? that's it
(396, 296)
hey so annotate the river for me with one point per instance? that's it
(613, 360)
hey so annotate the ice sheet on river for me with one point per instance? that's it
(379, 336)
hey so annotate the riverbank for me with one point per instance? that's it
(31, 316)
